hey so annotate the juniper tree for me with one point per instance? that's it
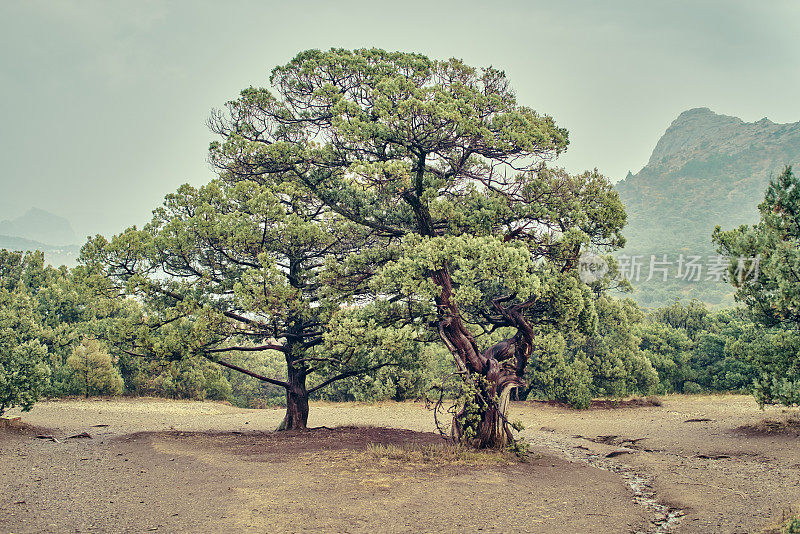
(93, 370)
(439, 157)
(231, 268)
(764, 269)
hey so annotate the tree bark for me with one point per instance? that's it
(296, 399)
(496, 371)
(296, 392)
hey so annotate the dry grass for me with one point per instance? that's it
(653, 400)
(440, 454)
(786, 425)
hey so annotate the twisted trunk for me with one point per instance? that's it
(496, 371)
(501, 371)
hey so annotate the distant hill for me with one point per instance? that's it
(707, 169)
(54, 255)
(42, 226)
(41, 230)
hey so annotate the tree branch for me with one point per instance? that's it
(349, 374)
(247, 348)
(263, 378)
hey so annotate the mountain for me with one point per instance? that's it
(41, 230)
(42, 226)
(706, 170)
(54, 255)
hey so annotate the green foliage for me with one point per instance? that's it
(669, 351)
(773, 353)
(189, 378)
(93, 371)
(792, 526)
(691, 318)
(692, 388)
(771, 292)
(23, 371)
(554, 376)
(249, 392)
(432, 184)
(367, 335)
(612, 353)
(469, 408)
(66, 306)
(23, 354)
(763, 266)
(605, 361)
(681, 348)
(717, 366)
(692, 349)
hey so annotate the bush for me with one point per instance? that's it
(93, 371)
(23, 375)
(552, 376)
(692, 388)
(23, 370)
(218, 388)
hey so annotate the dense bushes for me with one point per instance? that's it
(772, 353)
(701, 347)
(190, 378)
(51, 321)
(675, 349)
(23, 370)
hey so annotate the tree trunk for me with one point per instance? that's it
(495, 372)
(492, 430)
(296, 400)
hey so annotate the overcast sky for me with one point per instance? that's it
(104, 103)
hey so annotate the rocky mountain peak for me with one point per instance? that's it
(40, 225)
(706, 170)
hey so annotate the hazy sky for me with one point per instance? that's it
(104, 103)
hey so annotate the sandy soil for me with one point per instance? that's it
(707, 456)
(175, 466)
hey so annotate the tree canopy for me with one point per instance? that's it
(241, 267)
(764, 267)
(439, 160)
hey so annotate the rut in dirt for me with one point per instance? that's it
(664, 518)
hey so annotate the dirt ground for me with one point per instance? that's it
(693, 464)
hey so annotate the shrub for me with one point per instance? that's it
(93, 371)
